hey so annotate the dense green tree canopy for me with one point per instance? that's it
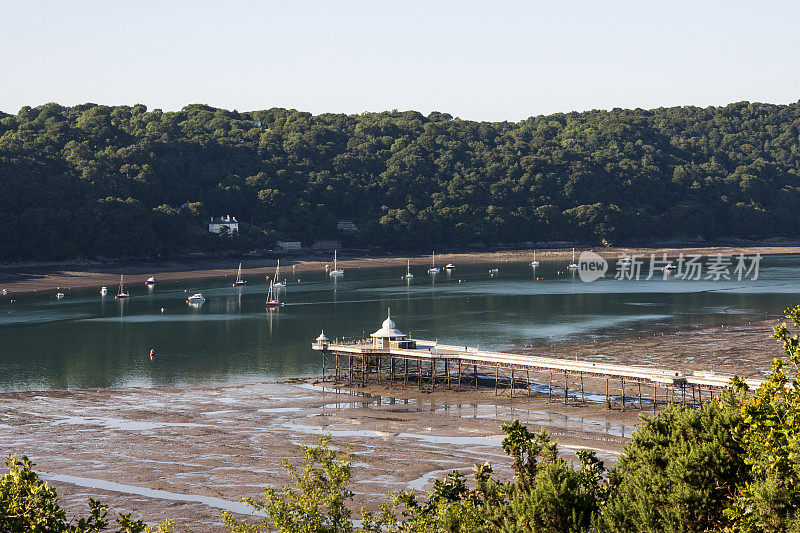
(93, 180)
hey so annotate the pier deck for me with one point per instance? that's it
(429, 363)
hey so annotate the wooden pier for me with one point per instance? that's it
(392, 358)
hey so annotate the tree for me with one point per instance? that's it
(771, 436)
(316, 503)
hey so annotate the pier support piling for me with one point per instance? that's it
(639, 386)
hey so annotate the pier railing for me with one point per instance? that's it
(431, 363)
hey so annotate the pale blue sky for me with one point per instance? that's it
(479, 60)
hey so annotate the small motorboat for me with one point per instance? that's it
(59, 295)
(150, 281)
(494, 270)
(196, 298)
(449, 267)
(103, 290)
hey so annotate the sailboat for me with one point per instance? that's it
(276, 281)
(534, 263)
(433, 269)
(409, 275)
(103, 290)
(239, 281)
(573, 265)
(272, 297)
(122, 293)
(336, 272)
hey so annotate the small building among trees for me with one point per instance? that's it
(226, 225)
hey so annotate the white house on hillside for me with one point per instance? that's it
(226, 224)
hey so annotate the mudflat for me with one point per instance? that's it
(218, 443)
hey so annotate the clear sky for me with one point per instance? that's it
(479, 60)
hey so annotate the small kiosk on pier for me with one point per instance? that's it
(390, 337)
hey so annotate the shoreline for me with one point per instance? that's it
(35, 277)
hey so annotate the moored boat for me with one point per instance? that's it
(336, 272)
(408, 275)
(433, 269)
(277, 283)
(272, 297)
(121, 294)
(239, 281)
(573, 265)
(196, 298)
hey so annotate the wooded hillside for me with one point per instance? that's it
(91, 180)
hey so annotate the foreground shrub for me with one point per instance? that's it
(770, 434)
(28, 504)
(677, 473)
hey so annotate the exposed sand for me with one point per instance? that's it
(34, 277)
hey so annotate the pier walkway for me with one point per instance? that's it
(391, 357)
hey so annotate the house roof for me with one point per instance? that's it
(224, 220)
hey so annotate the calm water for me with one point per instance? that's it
(85, 340)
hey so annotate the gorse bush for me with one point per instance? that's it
(731, 465)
